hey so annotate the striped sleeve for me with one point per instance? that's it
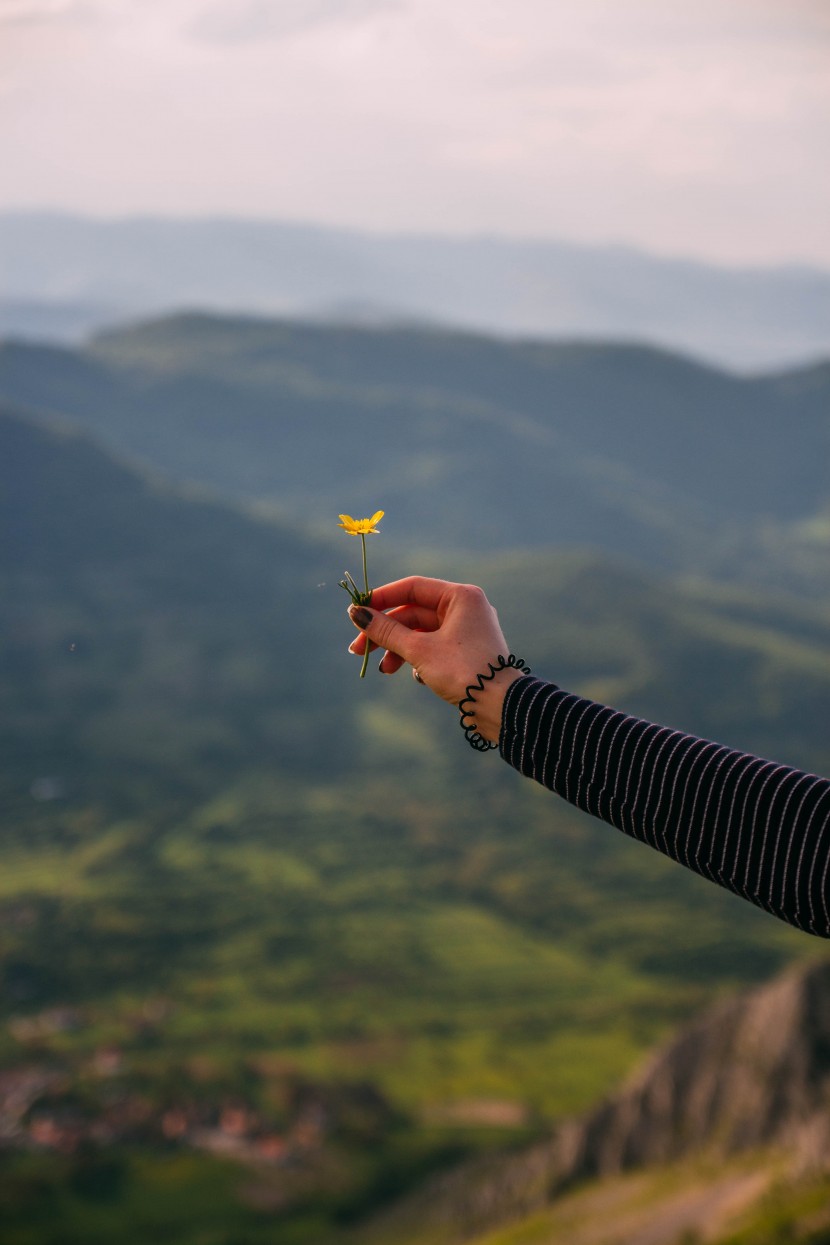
(756, 827)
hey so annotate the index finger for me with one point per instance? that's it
(414, 590)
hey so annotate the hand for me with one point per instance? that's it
(447, 632)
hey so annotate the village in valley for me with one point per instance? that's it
(55, 1101)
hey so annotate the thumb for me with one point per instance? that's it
(384, 631)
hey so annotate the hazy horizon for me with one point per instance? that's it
(472, 235)
(684, 130)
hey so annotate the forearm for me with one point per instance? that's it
(758, 828)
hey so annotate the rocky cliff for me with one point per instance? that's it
(754, 1071)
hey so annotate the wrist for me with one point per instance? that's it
(489, 703)
(483, 702)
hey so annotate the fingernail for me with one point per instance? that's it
(360, 616)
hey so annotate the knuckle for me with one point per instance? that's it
(472, 595)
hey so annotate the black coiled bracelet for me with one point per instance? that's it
(468, 726)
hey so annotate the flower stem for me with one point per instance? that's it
(366, 586)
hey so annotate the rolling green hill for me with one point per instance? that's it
(148, 634)
(242, 880)
(468, 442)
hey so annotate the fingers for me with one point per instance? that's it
(412, 616)
(415, 617)
(385, 631)
(391, 663)
(414, 590)
(358, 645)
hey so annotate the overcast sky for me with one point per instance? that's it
(696, 127)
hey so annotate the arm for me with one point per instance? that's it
(758, 828)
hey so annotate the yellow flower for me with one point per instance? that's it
(360, 527)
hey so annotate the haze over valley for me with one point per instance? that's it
(66, 275)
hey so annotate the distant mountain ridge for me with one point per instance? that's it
(64, 275)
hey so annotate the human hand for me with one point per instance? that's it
(447, 632)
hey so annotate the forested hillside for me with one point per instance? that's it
(467, 442)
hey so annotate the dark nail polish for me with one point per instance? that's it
(360, 616)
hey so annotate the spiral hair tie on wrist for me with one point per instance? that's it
(468, 726)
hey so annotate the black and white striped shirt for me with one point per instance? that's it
(756, 827)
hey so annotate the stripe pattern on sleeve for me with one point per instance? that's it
(756, 827)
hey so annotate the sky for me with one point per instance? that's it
(684, 127)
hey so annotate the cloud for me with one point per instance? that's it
(246, 21)
(36, 12)
(690, 126)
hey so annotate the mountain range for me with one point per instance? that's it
(467, 442)
(66, 275)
